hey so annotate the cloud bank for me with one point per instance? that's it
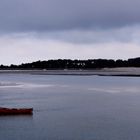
(43, 15)
(75, 29)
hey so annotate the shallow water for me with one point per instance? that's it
(71, 107)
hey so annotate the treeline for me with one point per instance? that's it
(76, 64)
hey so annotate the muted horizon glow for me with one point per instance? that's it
(25, 48)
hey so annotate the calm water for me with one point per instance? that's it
(71, 107)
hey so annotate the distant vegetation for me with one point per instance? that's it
(76, 64)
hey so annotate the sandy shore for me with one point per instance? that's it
(101, 72)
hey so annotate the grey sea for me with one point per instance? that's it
(71, 107)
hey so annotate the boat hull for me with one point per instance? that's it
(15, 111)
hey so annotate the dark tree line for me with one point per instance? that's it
(76, 64)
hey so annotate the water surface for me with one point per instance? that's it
(71, 107)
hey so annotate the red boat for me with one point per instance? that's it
(15, 111)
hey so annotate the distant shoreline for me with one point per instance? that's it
(126, 71)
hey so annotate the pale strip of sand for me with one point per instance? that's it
(131, 71)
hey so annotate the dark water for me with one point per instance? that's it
(71, 107)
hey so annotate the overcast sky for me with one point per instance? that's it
(33, 30)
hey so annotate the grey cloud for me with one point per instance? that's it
(46, 15)
(129, 34)
(123, 35)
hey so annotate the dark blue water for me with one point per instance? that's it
(71, 107)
